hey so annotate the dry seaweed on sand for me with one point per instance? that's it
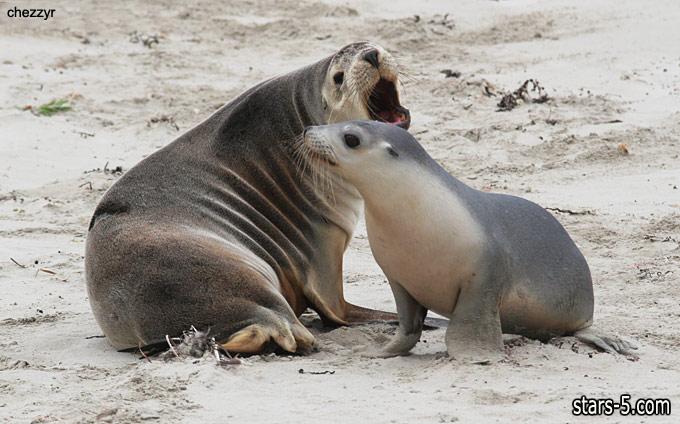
(147, 40)
(448, 73)
(571, 212)
(302, 371)
(531, 91)
(163, 118)
(196, 344)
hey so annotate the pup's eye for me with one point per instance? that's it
(352, 141)
(339, 78)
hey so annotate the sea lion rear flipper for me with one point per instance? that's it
(357, 314)
(605, 342)
(253, 338)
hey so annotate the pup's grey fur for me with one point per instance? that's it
(490, 262)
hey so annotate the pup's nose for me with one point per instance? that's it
(371, 57)
(304, 132)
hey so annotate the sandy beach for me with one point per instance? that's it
(602, 154)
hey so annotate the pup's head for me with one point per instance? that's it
(367, 154)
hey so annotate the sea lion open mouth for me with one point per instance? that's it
(383, 105)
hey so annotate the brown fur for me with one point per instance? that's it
(220, 230)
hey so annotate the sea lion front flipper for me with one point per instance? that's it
(474, 333)
(411, 317)
(323, 287)
(605, 342)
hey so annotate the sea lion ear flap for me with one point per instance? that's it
(393, 152)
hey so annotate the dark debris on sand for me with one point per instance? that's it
(524, 94)
(195, 344)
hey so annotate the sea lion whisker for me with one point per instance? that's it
(315, 170)
(298, 163)
(329, 176)
(300, 154)
(323, 182)
(297, 153)
(304, 169)
(323, 172)
(330, 115)
(308, 161)
(405, 73)
(306, 165)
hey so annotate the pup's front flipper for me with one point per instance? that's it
(411, 317)
(474, 333)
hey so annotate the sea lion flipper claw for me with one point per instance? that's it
(304, 339)
(253, 338)
(248, 340)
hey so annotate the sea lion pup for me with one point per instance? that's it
(219, 229)
(489, 262)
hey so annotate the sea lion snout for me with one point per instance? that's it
(317, 144)
(363, 83)
(372, 57)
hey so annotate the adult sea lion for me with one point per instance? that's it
(489, 262)
(219, 229)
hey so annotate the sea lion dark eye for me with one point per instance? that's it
(339, 78)
(352, 141)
